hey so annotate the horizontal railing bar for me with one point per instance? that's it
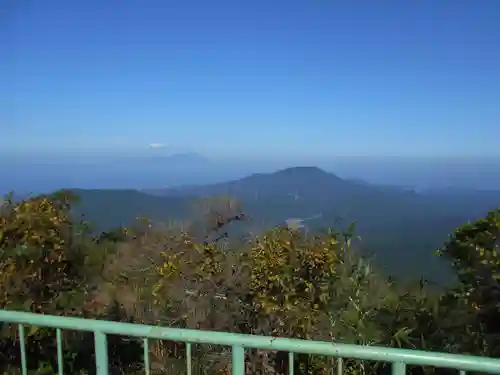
(374, 353)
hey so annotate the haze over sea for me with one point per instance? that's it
(99, 93)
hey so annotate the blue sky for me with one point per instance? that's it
(251, 78)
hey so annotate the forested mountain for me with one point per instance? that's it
(401, 227)
(194, 277)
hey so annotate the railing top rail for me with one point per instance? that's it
(411, 357)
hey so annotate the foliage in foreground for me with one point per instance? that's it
(282, 282)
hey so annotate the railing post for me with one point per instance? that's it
(238, 360)
(398, 368)
(22, 343)
(101, 353)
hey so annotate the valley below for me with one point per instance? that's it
(399, 227)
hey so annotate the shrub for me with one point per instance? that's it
(282, 282)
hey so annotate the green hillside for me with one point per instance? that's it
(278, 282)
(401, 228)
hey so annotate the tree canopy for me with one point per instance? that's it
(283, 282)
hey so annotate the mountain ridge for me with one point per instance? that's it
(277, 180)
(401, 227)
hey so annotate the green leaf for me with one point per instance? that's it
(27, 305)
(402, 336)
(33, 330)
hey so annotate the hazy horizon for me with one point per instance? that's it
(274, 79)
(390, 92)
(149, 171)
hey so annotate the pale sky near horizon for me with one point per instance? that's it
(261, 78)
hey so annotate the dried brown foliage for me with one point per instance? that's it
(281, 282)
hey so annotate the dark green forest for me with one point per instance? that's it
(399, 228)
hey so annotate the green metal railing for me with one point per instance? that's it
(238, 342)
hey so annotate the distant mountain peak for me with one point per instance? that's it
(191, 157)
(293, 182)
(302, 169)
(309, 172)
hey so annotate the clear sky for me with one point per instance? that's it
(251, 78)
